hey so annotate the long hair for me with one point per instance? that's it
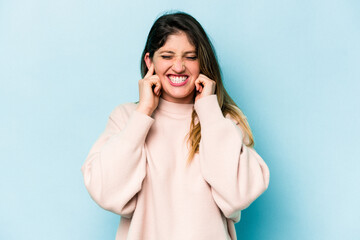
(173, 23)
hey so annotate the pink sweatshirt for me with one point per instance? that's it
(137, 169)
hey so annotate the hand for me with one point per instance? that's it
(149, 92)
(204, 86)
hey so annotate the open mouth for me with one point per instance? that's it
(177, 80)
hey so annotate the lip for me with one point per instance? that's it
(177, 75)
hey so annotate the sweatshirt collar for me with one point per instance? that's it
(176, 108)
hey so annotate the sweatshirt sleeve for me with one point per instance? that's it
(236, 173)
(116, 164)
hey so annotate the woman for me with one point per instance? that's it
(171, 164)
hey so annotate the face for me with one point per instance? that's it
(177, 65)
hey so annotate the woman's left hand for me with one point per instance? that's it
(204, 86)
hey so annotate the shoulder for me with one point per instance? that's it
(231, 117)
(122, 112)
(228, 116)
(240, 125)
(235, 121)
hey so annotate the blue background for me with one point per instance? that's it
(291, 66)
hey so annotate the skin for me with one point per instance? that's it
(176, 57)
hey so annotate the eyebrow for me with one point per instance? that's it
(187, 52)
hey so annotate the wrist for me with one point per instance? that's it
(208, 110)
(144, 110)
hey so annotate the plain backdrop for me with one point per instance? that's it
(291, 66)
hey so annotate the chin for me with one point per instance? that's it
(180, 95)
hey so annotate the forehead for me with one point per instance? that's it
(178, 43)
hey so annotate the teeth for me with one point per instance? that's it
(177, 79)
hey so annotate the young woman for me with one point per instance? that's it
(180, 163)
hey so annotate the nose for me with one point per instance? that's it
(178, 65)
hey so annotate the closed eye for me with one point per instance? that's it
(169, 57)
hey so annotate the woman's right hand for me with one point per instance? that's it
(149, 98)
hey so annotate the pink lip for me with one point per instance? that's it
(178, 84)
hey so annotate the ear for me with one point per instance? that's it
(147, 60)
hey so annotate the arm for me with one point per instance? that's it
(116, 165)
(236, 173)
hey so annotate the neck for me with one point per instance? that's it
(175, 107)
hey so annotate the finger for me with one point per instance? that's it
(204, 76)
(203, 79)
(158, 92)
(155, 83)
(198, 84)
(206, 80)
(158, 88)
(150, 71)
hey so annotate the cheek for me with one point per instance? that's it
(160, 67)
(195, 68)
